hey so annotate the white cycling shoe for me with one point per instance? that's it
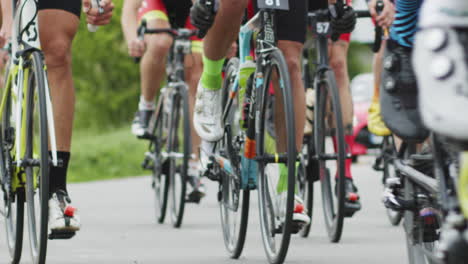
(207, 114)
(62, 216)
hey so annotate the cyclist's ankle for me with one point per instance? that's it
(144, 105)
(211, 77)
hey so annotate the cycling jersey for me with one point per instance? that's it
(323, 4)
(176, 12)
(72, 6)
(405, 24)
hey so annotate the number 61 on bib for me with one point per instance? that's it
(273, 4)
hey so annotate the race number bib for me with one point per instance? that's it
(274, 4)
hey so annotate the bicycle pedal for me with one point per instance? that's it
(351, 208)
(61, 234)
(297, 226)
(194, 197)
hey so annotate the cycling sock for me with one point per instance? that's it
(58, 174)
(211, 77)
(144, 105)
(283, 179)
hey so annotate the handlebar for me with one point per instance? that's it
(378, 30)
(181, 33)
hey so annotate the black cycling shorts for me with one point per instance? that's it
(317, 4)
(72, 6)
(291, 24)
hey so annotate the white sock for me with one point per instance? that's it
(144, 105)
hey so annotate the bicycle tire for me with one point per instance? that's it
(160, 174)
(333, 210)
(37, 179)
(180, 121)
(389, 171)
(269, 229)
(234, 202)
(13, 201)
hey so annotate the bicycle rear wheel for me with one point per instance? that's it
(36, 160)
(179, 149)
(331, 158)
(276, 181)
(159, 152)
(233, 201)
(13, 194)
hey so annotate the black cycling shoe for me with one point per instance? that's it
(399, 94)
(198, 190)
(352, 203)
(140, 122)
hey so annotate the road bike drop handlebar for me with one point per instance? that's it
(182, 33)
(380, 33)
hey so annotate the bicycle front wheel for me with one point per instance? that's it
(159, 151)
(389, 174)
(13, 193)
(36, 159)
(331, 153)
(179, 155)
(276, 175)
(233, 201)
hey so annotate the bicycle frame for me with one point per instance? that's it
(25, 40)
(176, 80)
(262, 23)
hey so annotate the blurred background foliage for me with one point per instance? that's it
(107, 92)
(106, 78)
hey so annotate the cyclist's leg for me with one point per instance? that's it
(376, 124)
(291, 43)
(153, 62)
(207, 116)
(292, 51)
(398, 93)
(338, 62)
(193, 71)
(56, 42)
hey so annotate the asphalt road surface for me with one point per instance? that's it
(118, 226)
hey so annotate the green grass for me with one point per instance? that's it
(107, 155)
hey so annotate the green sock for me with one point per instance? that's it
(283, 179)
(211, 77)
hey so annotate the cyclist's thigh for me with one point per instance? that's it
(71, 6)
(56, 38)
(156, 16)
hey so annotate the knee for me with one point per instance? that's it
(57, 53)
(158, 45)
(339, 66)
(294, 65)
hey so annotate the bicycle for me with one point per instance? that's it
(170, 142)
(26, 132)
(246, 151)
(316, 151)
